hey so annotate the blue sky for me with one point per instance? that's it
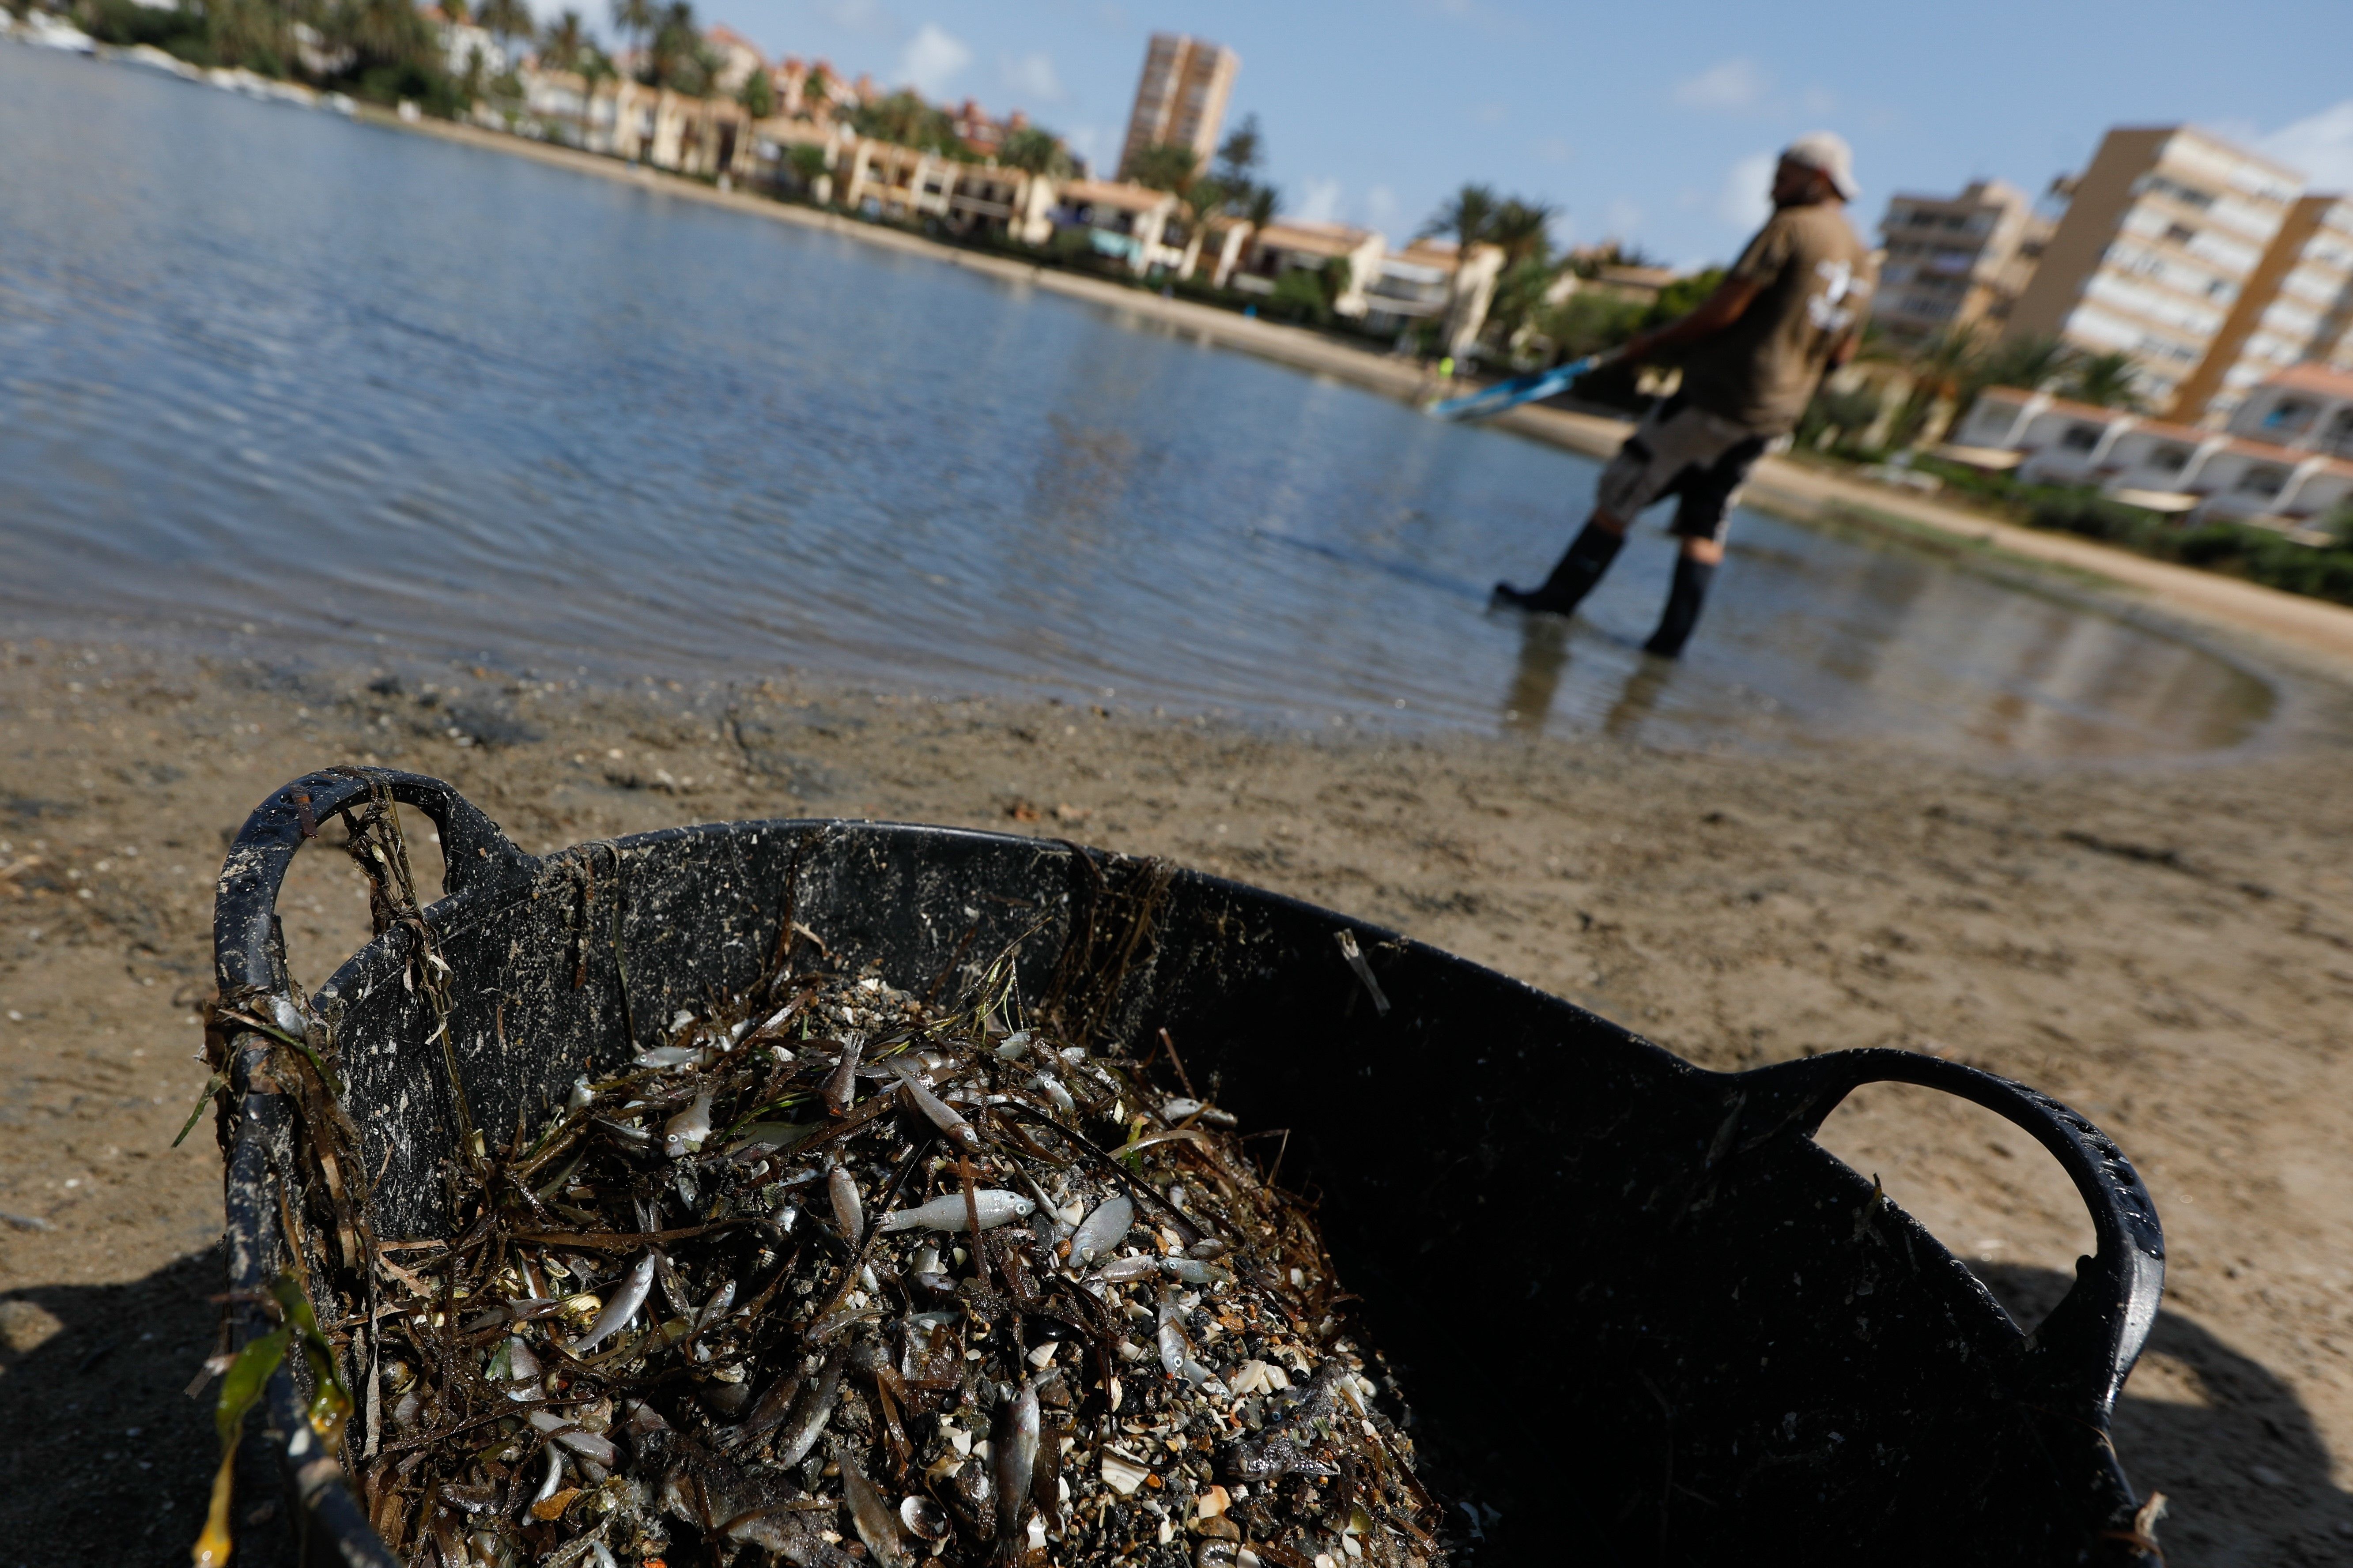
(1653, 123)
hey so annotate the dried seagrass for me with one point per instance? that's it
(854, 1280)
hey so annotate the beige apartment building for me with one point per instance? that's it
(1181, 97)
(2296, 308)
(2162, 234)
(1956, 264)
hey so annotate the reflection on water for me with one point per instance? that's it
(371, 390)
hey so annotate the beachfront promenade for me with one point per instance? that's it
(2318, 631)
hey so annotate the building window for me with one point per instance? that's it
(2290, 414)
(2080, 438)
(2180, 233)
(2263, 479)
(2339, 438)
(2169, 459)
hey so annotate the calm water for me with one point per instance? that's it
(259, 365)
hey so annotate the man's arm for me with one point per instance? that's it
(1718, 310)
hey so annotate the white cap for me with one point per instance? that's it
(1826, 150)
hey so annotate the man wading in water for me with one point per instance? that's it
(1790, 308)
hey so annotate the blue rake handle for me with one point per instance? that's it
(1490, 401)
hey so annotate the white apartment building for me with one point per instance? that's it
(1956, 263)
(2286, 461)
(2162, 233)
(2296, 308)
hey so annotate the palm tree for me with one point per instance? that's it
(561, 44)
(1523, 228)
(1943, 367)
(2028, 363)
(1264, 202)
(633, 19)
(757, 95)
(506, 19)
(1036, 150)
(2106, 381)
(1165, 166)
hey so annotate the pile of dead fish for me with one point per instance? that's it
(857, 1281)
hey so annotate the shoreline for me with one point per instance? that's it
(2315, 633)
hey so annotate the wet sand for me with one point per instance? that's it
(2169, 949)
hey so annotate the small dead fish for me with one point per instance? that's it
(1009, 1050)
(772, 1137)
(555, 1475)
(841, 1087)
(582, 1097)
(849, 1214)
(1014, 1455)
(588, 1444)
(1104, 1229)
(1121, 1271)
(1051, 1088)
(668, 1056)
(942, 1115)
(876, 1524)
(689, 1130)
(947, 1212)
(1172, 1342)
(716, 1308)
(810, 1412)
(772, 1408)
(622, 1306)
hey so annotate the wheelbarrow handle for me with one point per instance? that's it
(2081, 1353)
(246, 948)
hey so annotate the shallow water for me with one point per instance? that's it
(263, 367)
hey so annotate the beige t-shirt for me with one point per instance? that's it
(1816, 282)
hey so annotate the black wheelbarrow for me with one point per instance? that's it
(1642, 1317)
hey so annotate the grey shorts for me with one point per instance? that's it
(1698, 457)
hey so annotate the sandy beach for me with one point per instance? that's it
(2169, 949)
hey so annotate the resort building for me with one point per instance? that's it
(626, 119)
(2296, 308)
(739, 59)
(1955, 264)
(1130, 223)
(2305, 408)
(2161, 235)
(1280, 248)
(2286, 463)
(1418, 284)
(1181, 97)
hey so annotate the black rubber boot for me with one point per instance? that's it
(1683, 601)
(1587, 557)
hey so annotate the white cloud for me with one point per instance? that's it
(1621, 219)
(1381, 207)
(1491, 113)
(1030, 76)
(932, 60)
(861, 17)
(1746, 198)
(1555, 149)
(1087, 142)
(1321, 202)
(1730, 86)
(2319, 146)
